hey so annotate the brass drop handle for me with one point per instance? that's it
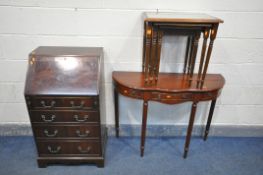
(52, 104)
(86, 134)
(54, 151)
(46, 132)
(52, 118)
(87, 150)
(85, 118)
(75, 106)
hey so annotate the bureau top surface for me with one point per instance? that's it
(51, 51)
(64, 71)
(179, 17)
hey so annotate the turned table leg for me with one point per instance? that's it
(144, 122)
(210, 115)
(116, 105)
(189, 130)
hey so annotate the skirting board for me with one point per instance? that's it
(24, 129)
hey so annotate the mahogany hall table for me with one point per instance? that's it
(131, 84)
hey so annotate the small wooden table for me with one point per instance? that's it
(131, 84)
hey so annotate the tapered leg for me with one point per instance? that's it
(187, 53)
(147, 59)
(159, 46)
(194, 52)
(189, 130)
(209, 51)
(144, 46)
(153, 56)
(206, 34)
(210, 115)
(144, 122)
(188, 67)
(116, 105)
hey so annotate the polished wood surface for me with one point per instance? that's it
(67, 73)
(173, 88)
(58, 51)
(63, 95)
(168, 82)
(177, 17)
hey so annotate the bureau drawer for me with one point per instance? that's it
(67, 148)
(66, 131)
(54, 116)
(74, 103)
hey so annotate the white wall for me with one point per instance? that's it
(117, 26)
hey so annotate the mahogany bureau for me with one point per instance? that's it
(63, 94)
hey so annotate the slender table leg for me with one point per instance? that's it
(144, 122)
(189, 130)
(187, 53)
(209, 51)
(159, 46)
(152, 60)
(143, 51)
(193, 56)
(210, 115)
(205, 36)
(116, 105)
(147, 55)
(188, 67)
